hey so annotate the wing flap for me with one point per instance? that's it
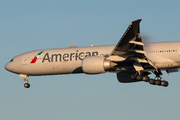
(137, 43)
(137, 51)
(138, 67)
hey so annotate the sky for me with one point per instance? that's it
(27, 25)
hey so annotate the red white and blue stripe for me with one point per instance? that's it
(35, 58)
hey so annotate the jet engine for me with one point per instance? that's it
(96, 65)
(125, 77)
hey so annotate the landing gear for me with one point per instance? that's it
(152, 81)
(133, 76)
(144, 77)
(158, 80)
(141, 77)
(164, 83)
(26, 85)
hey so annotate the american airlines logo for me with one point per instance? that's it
(35, 58)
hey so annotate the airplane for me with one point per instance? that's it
(131, 59)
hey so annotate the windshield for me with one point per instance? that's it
(11, 60)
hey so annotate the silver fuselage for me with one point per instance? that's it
(164, 55)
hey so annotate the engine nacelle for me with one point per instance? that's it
(96, 65)
(125, 77)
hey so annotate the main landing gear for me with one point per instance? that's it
(158, 82)
(144, 77)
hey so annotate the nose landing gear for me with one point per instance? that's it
(26, 85)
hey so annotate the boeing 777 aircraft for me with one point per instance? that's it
(130, 59)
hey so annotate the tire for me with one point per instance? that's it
(133, 76)
(158, 82)
(27, 85)
(145, 78)
(152, 81)
(164, 83)
(139, 77)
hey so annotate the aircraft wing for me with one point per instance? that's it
(130, 48)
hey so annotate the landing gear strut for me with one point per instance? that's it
(26, 85)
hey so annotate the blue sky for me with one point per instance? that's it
(39, 24)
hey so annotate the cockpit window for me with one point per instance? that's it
(11, 60)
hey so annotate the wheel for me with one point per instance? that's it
(152, 81)
(145, 78)
(139, 77)
(27, 85)
(133, 76)
(158, 82)
(164, 83)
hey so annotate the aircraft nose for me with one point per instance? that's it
(8, 67)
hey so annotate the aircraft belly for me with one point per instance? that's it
(164, 61)
(66, 67)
